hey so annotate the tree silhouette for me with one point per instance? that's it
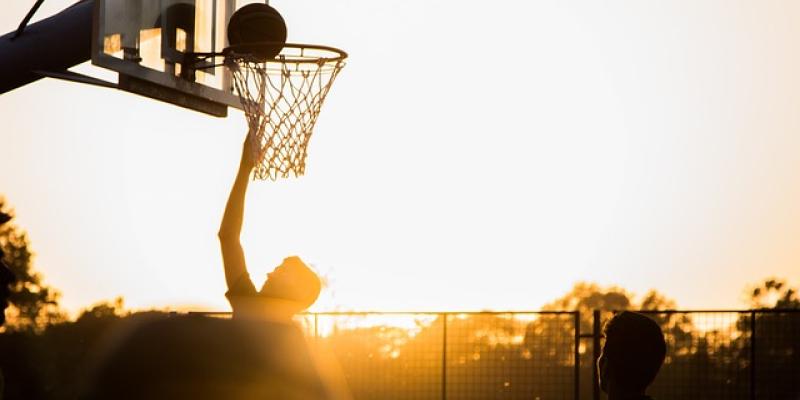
(34, 304)
(776, 339)
(774, 293)
(53, 363)
(585, 297)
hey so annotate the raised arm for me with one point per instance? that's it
(231, 226)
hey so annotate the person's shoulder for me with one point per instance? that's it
(241, 294)
(243, 287)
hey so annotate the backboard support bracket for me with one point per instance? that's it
(173, 96)
(76, 77)
(144, 88)
(24, 23)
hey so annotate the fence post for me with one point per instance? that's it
(753, 354)
(444, 356)
(577, 316)
(595, 353)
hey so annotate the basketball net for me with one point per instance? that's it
(282, 98)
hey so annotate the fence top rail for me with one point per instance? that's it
(349, 313)
(336, 313)
(366, 313)
(700, 311)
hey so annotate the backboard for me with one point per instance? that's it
(145, 41)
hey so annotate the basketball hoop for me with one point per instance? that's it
(282, 98)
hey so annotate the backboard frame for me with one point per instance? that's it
(165, 85)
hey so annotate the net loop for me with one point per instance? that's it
(282, 98)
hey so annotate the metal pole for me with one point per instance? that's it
(577, 355)
(52, 45)
(595, 354)
(752, 354)
(444, 356)
(27, 19)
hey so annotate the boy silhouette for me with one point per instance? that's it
(290, 288)
(632, 355)
(259, 354)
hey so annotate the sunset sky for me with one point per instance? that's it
(472, 155)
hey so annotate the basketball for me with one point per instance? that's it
(257, 29)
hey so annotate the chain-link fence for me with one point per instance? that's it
(519, 355)
(711, 354)
(775, 353)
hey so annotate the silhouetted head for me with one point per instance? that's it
(632, 355)
(293, 281)
(6, 279)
